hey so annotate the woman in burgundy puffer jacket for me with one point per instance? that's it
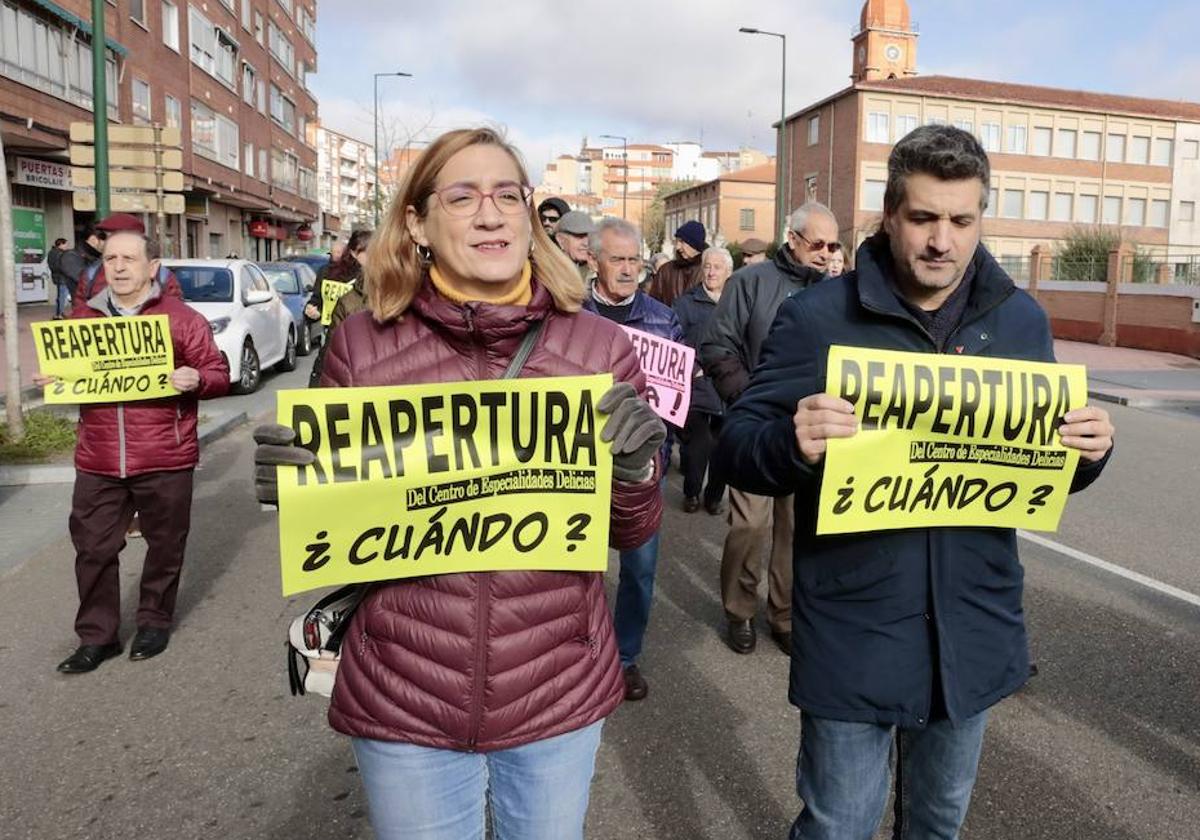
(466, 689)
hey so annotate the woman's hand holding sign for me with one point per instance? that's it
(185, 379)
(635, 430)
(818, 418)
(1089, 430)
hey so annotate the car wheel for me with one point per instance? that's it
(305, 341)
(251, 370)
(288, 362)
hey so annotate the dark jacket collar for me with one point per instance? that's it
(794, 270)
(875, 277)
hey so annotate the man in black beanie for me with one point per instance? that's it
(683, 272)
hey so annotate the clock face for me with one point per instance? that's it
(892, 52)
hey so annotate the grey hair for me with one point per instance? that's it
(620, 227)
(724, 253)
(943, 151)
(799, 217)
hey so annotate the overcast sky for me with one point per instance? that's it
(663, 70)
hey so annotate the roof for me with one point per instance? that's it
(764, 173)
(1059, 97)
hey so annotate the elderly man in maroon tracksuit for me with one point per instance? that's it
(137, 456)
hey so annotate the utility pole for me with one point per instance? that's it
(376, 112)
(12, 330)
(100, 106)
(781, 166)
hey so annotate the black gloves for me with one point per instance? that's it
(635, 430)
(275, 449)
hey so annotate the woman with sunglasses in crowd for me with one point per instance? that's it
(484, 688)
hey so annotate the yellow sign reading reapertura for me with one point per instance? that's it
(331, 293)
(449, 477)
(104, 360)
(948, 440)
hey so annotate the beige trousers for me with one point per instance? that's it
(757, 523)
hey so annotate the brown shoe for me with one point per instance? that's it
(742, 635)
(691, 504)
(636, 687)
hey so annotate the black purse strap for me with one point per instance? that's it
(522, 355)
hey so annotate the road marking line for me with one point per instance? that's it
(1120, 571)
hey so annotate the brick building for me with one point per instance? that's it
(1060, 158)
(734, 207)
(231, 74)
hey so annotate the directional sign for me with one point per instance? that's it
(133, 135)
(130, 202)
(126, 179)
(86, 156)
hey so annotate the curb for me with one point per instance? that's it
(1140, 402)
(11, 476)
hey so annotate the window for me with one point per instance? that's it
(814, 130)
(1191, 149)
(992, 204)
(1187, 211)
(283, 110)
(306, 24)
(877, 127)
(1086, 209)
(260, 97)
(1139, 149)
(989, 136)
(746, 219)
(1159, 210)
(1065, 147)
(263, 172)
(249, 83)
(1041, 141)
(1090, 147)
(212, 49)
(246, 15)
(1039, 205)
(1112, 210)
(287, 4)
(170, 25)
(137, 11)
(285, 170)
(258, 28)
(42, 55)
(1018, 142)
(1063, 206)
(248, 159)
(1115, 153)
(873, 194)
(174, 112)
(810, 188)
(1135, 210)
(141, 101)
(966, 125)
(214, 136)
(905, 124)
(281, 48)
(1164, 148)
(1014, 204)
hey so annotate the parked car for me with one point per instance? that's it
(293, 282)
(252, 327)
(314, 261)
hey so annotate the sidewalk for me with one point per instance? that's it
(26, 315)
(1136, 378)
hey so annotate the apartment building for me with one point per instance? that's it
(1060, 158)
(345, 178)
(231, 74)
(733, 207)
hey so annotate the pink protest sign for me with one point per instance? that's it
(668, 368)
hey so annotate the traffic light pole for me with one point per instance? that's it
(100, 106)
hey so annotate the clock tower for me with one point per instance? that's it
(885, 43)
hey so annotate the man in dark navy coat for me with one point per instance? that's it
(908, 634)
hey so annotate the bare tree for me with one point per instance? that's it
(12, 349)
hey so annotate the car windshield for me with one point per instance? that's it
(201, 284)
(284, 280)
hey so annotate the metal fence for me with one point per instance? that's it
(1079, 269)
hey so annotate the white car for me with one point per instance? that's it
(250, 323)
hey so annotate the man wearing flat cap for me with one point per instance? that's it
(90, 277)
(685, 271)
(572, 234)
(754, 251)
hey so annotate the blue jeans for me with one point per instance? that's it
(842, 776)
(62, 300)
(635, 591)
(538, 791)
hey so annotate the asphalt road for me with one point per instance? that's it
(204, 741)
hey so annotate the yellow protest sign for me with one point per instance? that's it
(331, 292)
(104, 360)
(448, 477)
(948, 440)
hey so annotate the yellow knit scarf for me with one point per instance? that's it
(519, 295)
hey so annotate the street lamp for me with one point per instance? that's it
(625, 159)
(780, 201)
(377, 76)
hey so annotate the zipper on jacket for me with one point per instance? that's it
(121, 436)
(478, 343)
(477, 686)
(178, 417)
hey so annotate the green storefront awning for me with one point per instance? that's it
(79, 23)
